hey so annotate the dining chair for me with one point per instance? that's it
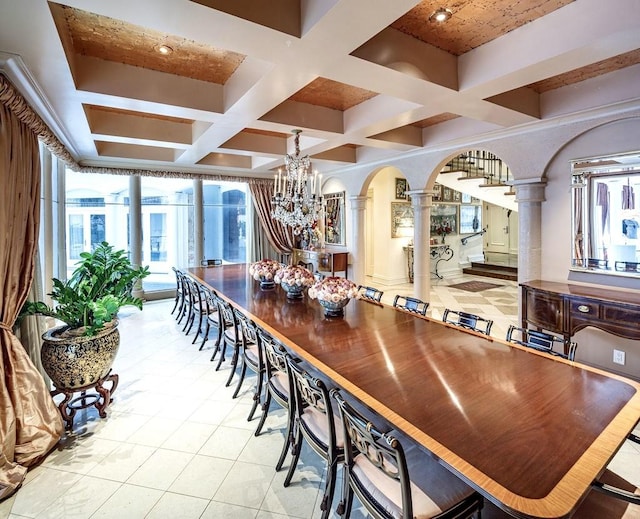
(212, 319)
(231, 337)
(185, 307)
(597, 263)
(315, 423)
(179, 297)
(198, 307)
(542, 341)
(627, 266)
(277, 387)
(369, 294)
(211, 262)
(411, 304)
(377, 471)
(250, 357)
(467, 321)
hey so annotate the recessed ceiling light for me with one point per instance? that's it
(440, 15)
(165, 50)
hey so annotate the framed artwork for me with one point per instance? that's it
(437, 192)
(475, 200)
(465, 198)
(447, 194)
(334, 218)
(456, 196)
(444, 219)
(401, 220)
(401, 188)
(470, 219)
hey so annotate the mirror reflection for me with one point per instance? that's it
(606, 215)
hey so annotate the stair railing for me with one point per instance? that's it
(466, 238)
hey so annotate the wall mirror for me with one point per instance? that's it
(334, 219)
(606, 215)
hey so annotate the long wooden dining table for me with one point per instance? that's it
(527, 430)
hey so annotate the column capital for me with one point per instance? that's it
(530, 190)
(358, 202)
(421, 197)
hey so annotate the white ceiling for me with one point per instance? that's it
(358, 83)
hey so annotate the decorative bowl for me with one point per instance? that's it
(333, 293)
(264, 271)
(294, 279)
(334, 308)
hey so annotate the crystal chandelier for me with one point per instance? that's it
(297, 199)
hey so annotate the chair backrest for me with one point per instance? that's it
(597, 263)
(211, 262)
(411, 304)
(312, 392)
(308, 266)
(248, 329)
(467, 321)
(627, 266)
(542, 341)
(365, 444)
(226, 316)
(275, 355)
(369, 293)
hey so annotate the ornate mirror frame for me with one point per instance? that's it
(605, 215)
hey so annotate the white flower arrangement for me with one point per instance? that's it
(333, 289)
(264, 269)
(294, 276)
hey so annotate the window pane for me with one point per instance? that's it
(167, 229)
(225, 227)
(98, 209)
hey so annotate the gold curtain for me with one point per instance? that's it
(280, 236)
(30, 424)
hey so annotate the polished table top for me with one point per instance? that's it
(528, 430)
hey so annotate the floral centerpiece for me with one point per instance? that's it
(265, 271)
(294, 279)
(333, 293)
(443, 228)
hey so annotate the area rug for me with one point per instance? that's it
(474, 286)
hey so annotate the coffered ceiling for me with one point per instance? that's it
(366, 80)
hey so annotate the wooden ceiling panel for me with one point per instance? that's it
(473, 23)
(596, 69)
(332, 94)
(101, 37)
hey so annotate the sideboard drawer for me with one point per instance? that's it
(585, 309)
(544, 310)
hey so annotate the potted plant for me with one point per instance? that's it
(81, 352)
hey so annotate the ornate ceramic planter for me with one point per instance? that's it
(75, 362)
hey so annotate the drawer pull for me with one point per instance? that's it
(584, 309)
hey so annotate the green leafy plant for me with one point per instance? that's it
(100, 285)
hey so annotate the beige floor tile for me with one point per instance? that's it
(189, 437)
(37, 495)
(80, 454)
(297, 500)
(219, 510)
(202, 476)
(130, 502)
(155, 431)
(161, 469)
(226, 442)
(81, 500)
(246, 484)
(122, 462)
(212, 411)
(179, 506)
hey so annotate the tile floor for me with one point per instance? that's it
(176, 445)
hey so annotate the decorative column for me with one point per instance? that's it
(421, 201)
(198, 221)
(135, 222)
(529, 195)
(358, 249)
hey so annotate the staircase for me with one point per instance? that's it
(489, 270)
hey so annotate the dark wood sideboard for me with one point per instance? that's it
(323, 261)
(564, 309)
